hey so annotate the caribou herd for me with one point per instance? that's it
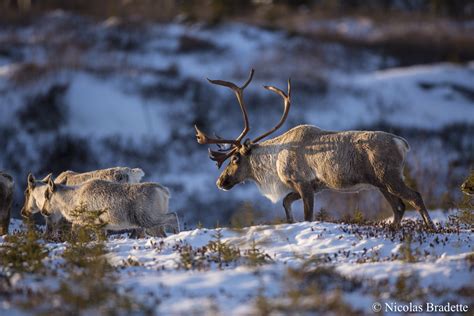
(295, 165)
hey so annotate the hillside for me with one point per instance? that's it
(317, 266)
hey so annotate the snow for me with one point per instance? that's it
(418, 96)
(105, 100)
(440, 263)
(100, 110)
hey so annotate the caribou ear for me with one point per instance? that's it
(31, 181)
(46, 179)
(51, 188)
(51, 185)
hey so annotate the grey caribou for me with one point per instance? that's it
(306, 160)
(125, 206)
(55, 221)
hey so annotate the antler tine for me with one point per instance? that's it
(239, 94)
(204, 139)
(221, 147)
(220, 157)
(287, 103)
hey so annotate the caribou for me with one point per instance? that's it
(115, 174)
(122, 205)
(6, 200)
(306, 160)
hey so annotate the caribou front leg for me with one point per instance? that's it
(287, 201)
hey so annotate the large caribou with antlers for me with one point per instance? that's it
(306, 160)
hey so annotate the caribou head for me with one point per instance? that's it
(238, 169)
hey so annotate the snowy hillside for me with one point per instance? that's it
(351, 266)
(111, 92)
(95, 85)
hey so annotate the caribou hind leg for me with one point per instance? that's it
(306, 191)
(165, 220)
(398, 207)
(400, 189)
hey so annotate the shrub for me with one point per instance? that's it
(407, 288)
(310, 290)
(406, 252)
(223, 253)
(89, 284)
(23, 252)
(256, 257)
(219, 252)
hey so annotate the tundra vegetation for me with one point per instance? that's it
(99, 83)
(465, 214)
(86, 284)
(87, 280)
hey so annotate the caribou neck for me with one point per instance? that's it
(262, 162)
(63, 197)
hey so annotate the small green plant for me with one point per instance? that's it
(219, 252)
(86, 243)
(407, 288)
(223, 254)
(465, 214)
(256, 257)
(358, 217)
(310, 290)
(406, 252)
(322, 215)
(89, 284)
(131, 262)
(191, 259)
(92, 224)
(23, 252)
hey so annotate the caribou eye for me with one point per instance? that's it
(235, 159)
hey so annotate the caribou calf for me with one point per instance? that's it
(306, 160)
(6, 200)
(125, 206)
(115, 174)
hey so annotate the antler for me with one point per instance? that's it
(239, 94)
(221, 155)
(287, 103)
(204, 139)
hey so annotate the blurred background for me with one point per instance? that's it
(94, 84)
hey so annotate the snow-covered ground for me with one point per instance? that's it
(371, 258)
(104, 93)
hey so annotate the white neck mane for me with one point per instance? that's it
(263, 161)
